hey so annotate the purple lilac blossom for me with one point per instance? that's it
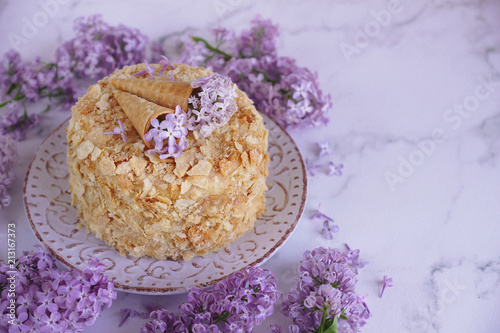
(310, 167)
(98, 48)
(16, 124)
(51, 300)
(149, 70)
(30, 82)
(236, 304)
(387, 282)
(166, 63)
(290, 94)
(172, 130)
(335, 169)
(324, 148)
(8, 154)
(329, 229)
(130, 313)
(21, 83)
(319, 215)
(119, 130)
(353, 259)
(328, 284)
(274, 328)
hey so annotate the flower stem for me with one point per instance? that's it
(266, 77)
(212, 48)
(327, 325)
(5, 103)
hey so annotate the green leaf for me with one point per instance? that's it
(333, 328)
(11, 88)
(5, 103)
(321, 327)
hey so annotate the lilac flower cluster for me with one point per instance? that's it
(98, 48)
(16, 124)
(52, 300)
(290, 94)
(325, 298)
(213, 105)
(22, 82)
(173, 130)
(30, 82)
(236, 304)
(95, 51)
(8, 155)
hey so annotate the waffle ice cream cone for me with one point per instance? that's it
(140, 111)
(163, 92)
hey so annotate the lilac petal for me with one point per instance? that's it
(327, 233)
(155, 123)
(166, 63)
(140, 73)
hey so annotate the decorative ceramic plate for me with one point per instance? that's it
(54, 221)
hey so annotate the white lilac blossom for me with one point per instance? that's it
(335, 169)
(119, 130)
(169, 135)
(290, 94)
(8, 154)
(51, 300)
(386, 283)
(213, 105)
(324, 299)
(238, 303)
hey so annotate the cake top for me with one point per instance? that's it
(206, 158)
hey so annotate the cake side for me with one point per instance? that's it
(176, 208)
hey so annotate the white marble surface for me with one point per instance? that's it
(416, 101)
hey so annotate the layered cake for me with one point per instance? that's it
(193, 193)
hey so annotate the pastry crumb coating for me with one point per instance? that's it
(167, 209)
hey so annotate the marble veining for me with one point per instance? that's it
(415, 121)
